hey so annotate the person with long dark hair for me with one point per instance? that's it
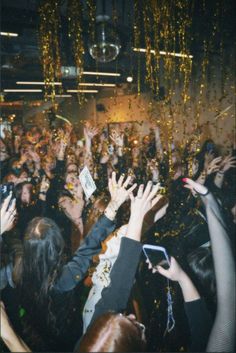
(46, 286)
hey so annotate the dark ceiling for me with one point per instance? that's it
(20, 59)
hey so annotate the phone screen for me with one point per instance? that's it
(4, 126)
(157, 256)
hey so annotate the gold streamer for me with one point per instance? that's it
(49, 45)
(92, 18)
(75, 20)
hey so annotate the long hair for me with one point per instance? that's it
(18, 192)
(201, 265)
(35, 274)
(112, 332)
(42, 255)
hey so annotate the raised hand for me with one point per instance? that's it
(90, 132)
(176, 273)
(214, 165)
(195, 187)
(140, 205)
(227, 163)
(119, 191)
(144, 200)
(117, 138)
(7, 214)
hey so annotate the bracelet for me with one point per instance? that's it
(220, 172)
(42, 192)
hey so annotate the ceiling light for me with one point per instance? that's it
(22, 90)
(82, 90)
(129, 79)
(94, 73)
(37, 83)
(97, 84)
(63, 95)
(9, 34)
(161, 52)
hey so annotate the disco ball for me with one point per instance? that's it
(106, 44)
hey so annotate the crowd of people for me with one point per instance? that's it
(73, 275)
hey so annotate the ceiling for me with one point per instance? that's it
(20, 56)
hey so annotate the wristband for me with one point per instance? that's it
(220, 172)
(42, 192)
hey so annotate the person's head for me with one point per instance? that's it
(71, 178)
(23, 193)
(72, 167)
(48, 163)
(33, 134)
(178, 196)
(113, 332)
(10, 178)
(200, 262)
(71, 158)
(16, 167)
(42, 253)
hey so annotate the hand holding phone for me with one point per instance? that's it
(7, 213)
(156, 255)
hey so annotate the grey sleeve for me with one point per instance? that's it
(222, 336)
(74, 271)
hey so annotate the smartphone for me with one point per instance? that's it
(157, 255)
(5, 189)
(4, 126)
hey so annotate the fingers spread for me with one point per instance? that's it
(131, 188)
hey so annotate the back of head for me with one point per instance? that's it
(112, 332)
(201, 264)
(43, 247)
